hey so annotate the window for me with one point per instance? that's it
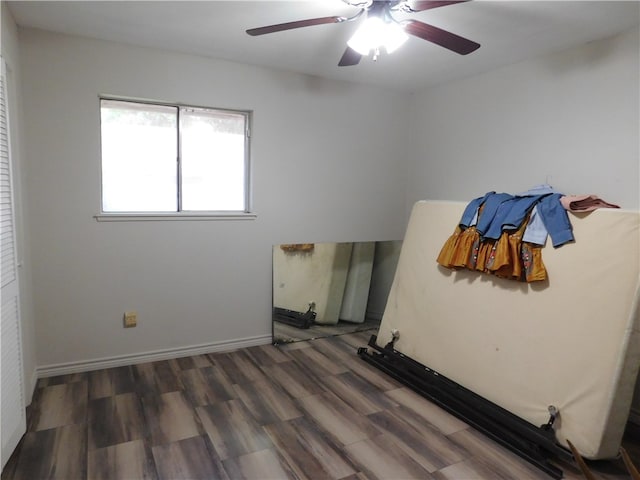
(173, 159)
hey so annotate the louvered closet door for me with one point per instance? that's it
(12, 408)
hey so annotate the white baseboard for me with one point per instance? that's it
(153, 356)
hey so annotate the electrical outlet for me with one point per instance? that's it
(130, 319)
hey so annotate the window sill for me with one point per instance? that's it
(162, 217)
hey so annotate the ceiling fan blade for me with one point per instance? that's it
(440, 37)
(420, 5)
(350, 57)
(291, 25)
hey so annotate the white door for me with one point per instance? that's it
(12, 407)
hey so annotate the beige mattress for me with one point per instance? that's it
(572, 341)
(356, 290)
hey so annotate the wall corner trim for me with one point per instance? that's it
(151, 356)
(33, 383)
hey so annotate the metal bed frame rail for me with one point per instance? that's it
(537, 445)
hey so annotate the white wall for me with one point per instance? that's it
(11, 55)
(571, 118)
(325, 158)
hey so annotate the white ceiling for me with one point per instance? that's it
(508, 31)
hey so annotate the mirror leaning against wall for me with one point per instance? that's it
(326, 289)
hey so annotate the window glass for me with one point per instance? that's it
(213, 160)
(139, 169)
(171, 158)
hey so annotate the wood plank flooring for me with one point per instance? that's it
(283, 333)
(306, 410)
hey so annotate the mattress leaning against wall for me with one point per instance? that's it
(572, 341)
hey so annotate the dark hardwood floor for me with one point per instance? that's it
(283, 333)
(303, 410)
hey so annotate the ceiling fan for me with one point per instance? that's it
(381, 29)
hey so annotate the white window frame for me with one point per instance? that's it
(247, 214)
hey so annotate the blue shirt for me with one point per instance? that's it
(556, 220)
(510, 215)
(507, 212)
(469, 217)
(491, 206)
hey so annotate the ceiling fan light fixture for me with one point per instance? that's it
(375, 33)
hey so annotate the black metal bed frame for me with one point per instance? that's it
(293, 318)
(537, 445)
